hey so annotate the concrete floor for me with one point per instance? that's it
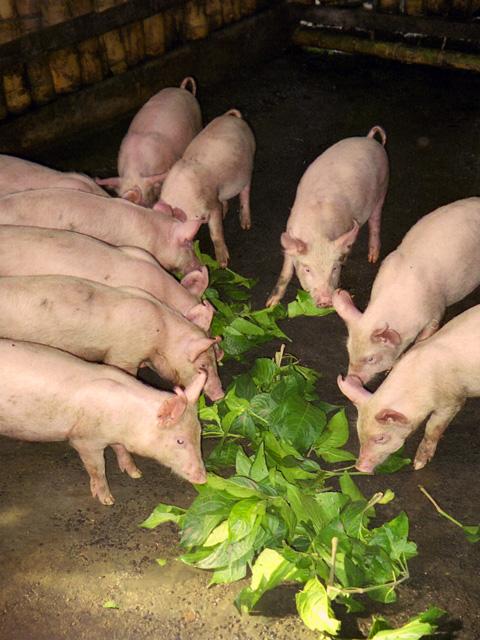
(63, 555)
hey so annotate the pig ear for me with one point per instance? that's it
(352, 388)
(197, 346)
(293, 246)
(173, 408)
(387, 336)
(219, 352)
(195, 388)
(156, 179)
(133, 195)
(389, 416)
(185, 232)
(196, 281)
(108, 182)
(344, 242)
(162, 206)
(201, 315)
(179, 214)
(343, 304)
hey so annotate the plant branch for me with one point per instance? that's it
(439, 508)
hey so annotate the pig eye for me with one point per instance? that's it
(306, 269)
(370, 359)
(180, 441)
(381, 439)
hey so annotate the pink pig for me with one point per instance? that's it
(215, 167)
(112, 220)
(342, 189)
(21, 175)
(436, 265)
(158, 135)
(124, 326)
(48, 395)
(36, 251)
(431, 381)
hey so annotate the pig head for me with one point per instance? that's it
(180, 360)
(372, 346)
(173, 438)
(318, 262)
(382, 427)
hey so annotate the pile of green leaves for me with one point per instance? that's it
(278, 514)
(241, 327)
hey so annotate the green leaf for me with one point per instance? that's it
(205, 513)
(263, 372)
(335, 433)
(243, 518)
(161, 561)
(110, 604)
(393, 463)
(349, 488)
(163, 513)
(259, 469)
(303, 305)
(297, 422)
(314, 608)
(247, 328)
(416, 628)
(269, 570)
(472, 532)
(243, 463)
(223, 455)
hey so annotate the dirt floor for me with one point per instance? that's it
(63, 554)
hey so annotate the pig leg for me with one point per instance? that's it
(436, 425)
(94, 463)
(428, 330)
(245, 220)
(126, 462)
(224, 208)
(215, 224)
(374, 233)
(282, 282)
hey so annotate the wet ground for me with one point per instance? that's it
(63, 554)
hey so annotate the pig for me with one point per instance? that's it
(157, 137)
(125, 327)
(112, 220)
(216, 166)
(36, 251)
(20, 175)
(436, 264)
(48, 395)
(431, 381)
(342, 189)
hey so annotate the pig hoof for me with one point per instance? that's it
(272, 301)
(373, 255)
(107, 500)
(136, 474)
(222, 259)
(420, 462)
(246, 225)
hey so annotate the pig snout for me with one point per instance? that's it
(192, 265)
(197, 475)
(323, 298)
(365, 465)
(214, 392)
(359, 373)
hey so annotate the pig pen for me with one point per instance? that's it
(63, 555)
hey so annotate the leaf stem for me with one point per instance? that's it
(439, 508)
(334, 559)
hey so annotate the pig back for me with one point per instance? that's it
(172, 113)
(350, 177)
(17, 174)
(443, 248)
